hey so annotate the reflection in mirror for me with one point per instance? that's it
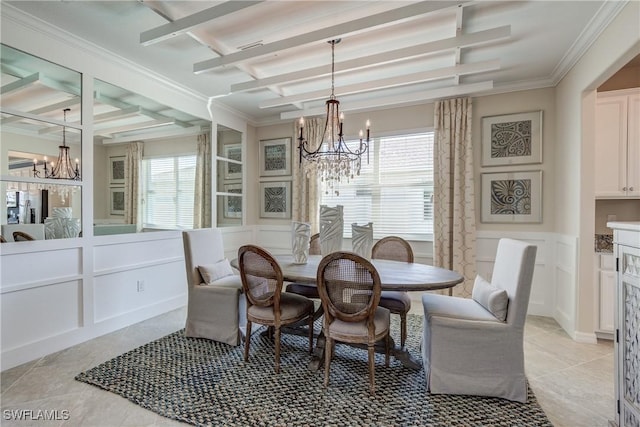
(229, 179)
(41, 148)
(150, 162)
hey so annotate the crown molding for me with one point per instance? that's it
(601, 20)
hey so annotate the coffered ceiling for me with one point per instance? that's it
(270, 60)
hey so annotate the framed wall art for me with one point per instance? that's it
(512, 139)
(512, 197)
(233, 152)
(116, 170)
(275, 199)
(275, 157)
(233, 205)
(116, 201)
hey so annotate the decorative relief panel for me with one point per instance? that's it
(631, 265)
(630, 420)
(631, 362)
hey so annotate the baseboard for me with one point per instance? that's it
(584, 337)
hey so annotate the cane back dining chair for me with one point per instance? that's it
(266, 303)
(349, 288)
(397, 302)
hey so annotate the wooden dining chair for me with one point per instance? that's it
(266, 303)
(395, 248)
(349, 288)
(21, 236)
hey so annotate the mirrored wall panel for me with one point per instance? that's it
(229, 177)
(151, 165)
(40, 167)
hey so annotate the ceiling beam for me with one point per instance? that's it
(118, 114)
(407, 79)
(157, 133)
(414, 97)
(325, 34)
(134, 126)
(183, 25)
(47, 108)
(19, 84)
(143, 111)
(464, 40)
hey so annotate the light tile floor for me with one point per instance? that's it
(573, 382)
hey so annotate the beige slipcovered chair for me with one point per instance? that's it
(216, 305)
(349, 288)
(266, 303)
(395, 248)
(475, 346)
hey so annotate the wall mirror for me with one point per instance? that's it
(147, 159)
(40, 168)
(229, 177)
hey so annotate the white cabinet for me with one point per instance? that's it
(617, 168)
(626, 239)
(606, 294)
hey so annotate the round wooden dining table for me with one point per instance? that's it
(394, 276)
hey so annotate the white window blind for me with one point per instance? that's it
(168, 192)
(394, 191)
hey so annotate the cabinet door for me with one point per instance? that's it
(628, 347)
(633, 146)
(607, 300)
(611, 147)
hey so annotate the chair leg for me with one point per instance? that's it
(277, 349)
(328, 349)
(372, 368)
(247, 340)
(311, 333)
(403, 329)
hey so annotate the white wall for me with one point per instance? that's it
(575, 194)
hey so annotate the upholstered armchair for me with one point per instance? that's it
(216, 307)
(475, 346)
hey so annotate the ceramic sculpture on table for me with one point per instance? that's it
(362, 239)
(61, 225)
(331, 229)
(300, 237)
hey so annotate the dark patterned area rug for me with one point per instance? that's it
(205, 383)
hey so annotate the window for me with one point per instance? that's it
(394, 191)
(168, 192)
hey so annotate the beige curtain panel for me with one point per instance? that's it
(305, 196)
(132, 167)
(454, 229)
(202, 196)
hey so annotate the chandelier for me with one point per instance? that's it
(63, 168)
(333, 159)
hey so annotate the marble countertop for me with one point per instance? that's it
(627, 225)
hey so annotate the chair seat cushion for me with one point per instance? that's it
(396, 302)
(460, 308)
(305, 289)
(292, 306)
(359, 329)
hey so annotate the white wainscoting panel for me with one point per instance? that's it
(234, 237)
(42, 267)
(542, 299)
(38, 313)
(154, 248)
(564, 279)
(125, 292)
